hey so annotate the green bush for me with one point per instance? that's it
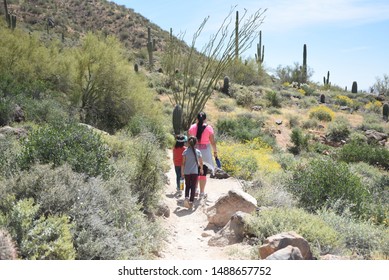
(363, 152)
(299, 140)
(77, 145)
(6, 107)
(339, 129)
(273, 99)
(107, 221)
(361, 238)
(39, 238)
(327, 183)
(322, 238)
(139, 125)
(244, 127)
(9, 149)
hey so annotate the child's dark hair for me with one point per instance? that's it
(180, 141)
(201, 117)
(192, 141)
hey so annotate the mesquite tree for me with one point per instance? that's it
(193, 75)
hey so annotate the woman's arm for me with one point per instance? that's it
(201, 165)
(213, 144)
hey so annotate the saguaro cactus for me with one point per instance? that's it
(177, 119)
(260, 50)
(237, 36)
(327, 81)
(150, 47)
(322, 98)
(226, 85)
(385, 111)
(305, 68)
(354, 88)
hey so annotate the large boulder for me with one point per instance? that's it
(287, 253)
(233, 232)
(282, 240)
(227, 205)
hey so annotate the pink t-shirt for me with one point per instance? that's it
(208, 131)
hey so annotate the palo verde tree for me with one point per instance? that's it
(193, 75)
(106, 89)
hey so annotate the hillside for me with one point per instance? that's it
(71, 20)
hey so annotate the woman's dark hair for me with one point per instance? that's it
(201, 117)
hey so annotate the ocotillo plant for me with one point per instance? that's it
(177, 119)
(385, 111)
(150, 47)
(354, 88)
(260, 50)
(304, 70)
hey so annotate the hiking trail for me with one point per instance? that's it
(188, 231)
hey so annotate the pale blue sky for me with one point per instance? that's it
(349, 38)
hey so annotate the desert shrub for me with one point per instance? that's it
(377, 182)
(323, 239)
(224, 107)
(310, 123)
(148, 170)
(43, 111)
(244, 97)
(371, 121)
(360, 237)
(269, 190)
(243, 160)
(339, 129)
(6, 109)
(273, 98)
(299, 140)
(9, 149)
(39, 237)
(243, 127)
(107, 221)
(373, 106)
(343, 100)
(143, 124)
(363, 152)
(294, 120)
(322, 113)
(326, 183)
(74, 144)
(245, 73)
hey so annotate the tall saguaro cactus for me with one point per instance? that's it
(327, 81)
(354, 87)
(237, 36)
(177, 119)
(260, 50)
(150, 48)
(385, 111)
(305, 69)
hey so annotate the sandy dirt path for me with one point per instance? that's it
(189, 231)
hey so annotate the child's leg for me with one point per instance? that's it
(187, 185)
(193, 184)
(178, 176)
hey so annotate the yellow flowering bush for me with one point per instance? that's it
(343, 100)
(243, 160)
(322, 113)
(374, 106)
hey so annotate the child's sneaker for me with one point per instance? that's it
(203, 195)
(186, 203)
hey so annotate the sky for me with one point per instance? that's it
(349, 38)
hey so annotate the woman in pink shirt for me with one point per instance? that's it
(205, 141)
